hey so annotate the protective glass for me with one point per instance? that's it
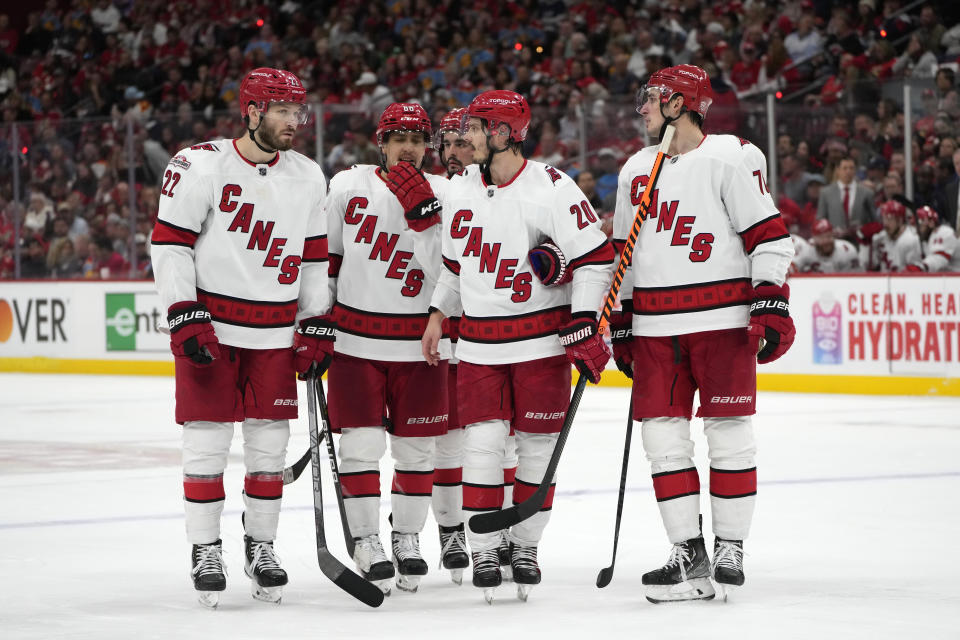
(290, 111)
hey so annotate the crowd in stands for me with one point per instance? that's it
(94, 91)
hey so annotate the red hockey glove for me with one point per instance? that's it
(420, 206)
(191, 334)
(866, 232)
(917, 267)
(313, 346)
(549, 264)
(585, 348)
(621, 336)
(770, 320)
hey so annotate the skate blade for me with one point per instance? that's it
(693, 589)
(488, 594)
(523, 591)
(456, 576)
(724, 591)
(407, 583)
(209, 599)
(266, 594)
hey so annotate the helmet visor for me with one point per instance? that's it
(290, 111)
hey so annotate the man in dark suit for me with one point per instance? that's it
(952, 195)
(846, 203)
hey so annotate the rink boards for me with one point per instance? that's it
(863, 334)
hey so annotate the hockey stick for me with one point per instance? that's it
(334, 467)
(365, 592)
(291, 473)
(495, 520)
(606, 574)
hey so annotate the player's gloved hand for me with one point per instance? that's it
(866, 232)
(585, 348)
(621, 337)
(191, 333)
(420, 206)
(770, 321)
(917, 267)
(313, 346)
(549, 264)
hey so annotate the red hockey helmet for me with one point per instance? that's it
(928, 214)
(404, 116)
(501, 107)
(449, 123)
(893, 208)
(822, 226)
(265, 85)
(690, 81)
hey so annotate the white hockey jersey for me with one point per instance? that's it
(941, 251)
(508, 315)
(248, 241)
(801, 252)
(381, 278)
(886, 254)
(713, 232)
(844, 258)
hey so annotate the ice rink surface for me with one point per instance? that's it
(854, 537)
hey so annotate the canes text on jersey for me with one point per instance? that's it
(260, 236)
(700, 245)
(489, 255)
(384, 247)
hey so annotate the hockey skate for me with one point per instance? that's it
(408, 560)
(727, 565)
(262, 566)
(453, 551)
(372, 562)
(685, 576)
(526, 570)
(209, 573)
(506, 569)
(486, 572)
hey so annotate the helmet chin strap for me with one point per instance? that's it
(667, 120)
(254, 138)
(485, 166)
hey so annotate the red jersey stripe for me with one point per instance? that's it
(362, 484)
(767, 230)
(733, 484)
(676, 484)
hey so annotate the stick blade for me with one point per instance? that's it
(366, 592)
(604, 577)
(505, 518)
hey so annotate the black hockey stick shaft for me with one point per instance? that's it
(495, 520)
(365, 592)
(291, 473)
(334, 467)
(606, 574)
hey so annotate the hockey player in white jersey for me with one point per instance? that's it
(240, 260)
(828, 254)
(383, 229)
(514, 332)
(455, 155)
(896, 245)
(941, 250)
(705, 290)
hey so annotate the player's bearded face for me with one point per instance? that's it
(279, 125)
(457, 152)
(404, 146)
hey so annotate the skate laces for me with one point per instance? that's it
(728, 554)
(453, 542)
(488, 560)
(524, 557)
(406, 545)
(373, 548)
(680, 556)
(264, 557)
(209, 560)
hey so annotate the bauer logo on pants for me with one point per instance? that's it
(132, 322)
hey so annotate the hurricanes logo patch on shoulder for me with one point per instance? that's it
(553, 173)
(206, 146)
(180, 161)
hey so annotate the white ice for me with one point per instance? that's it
(854, 535)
